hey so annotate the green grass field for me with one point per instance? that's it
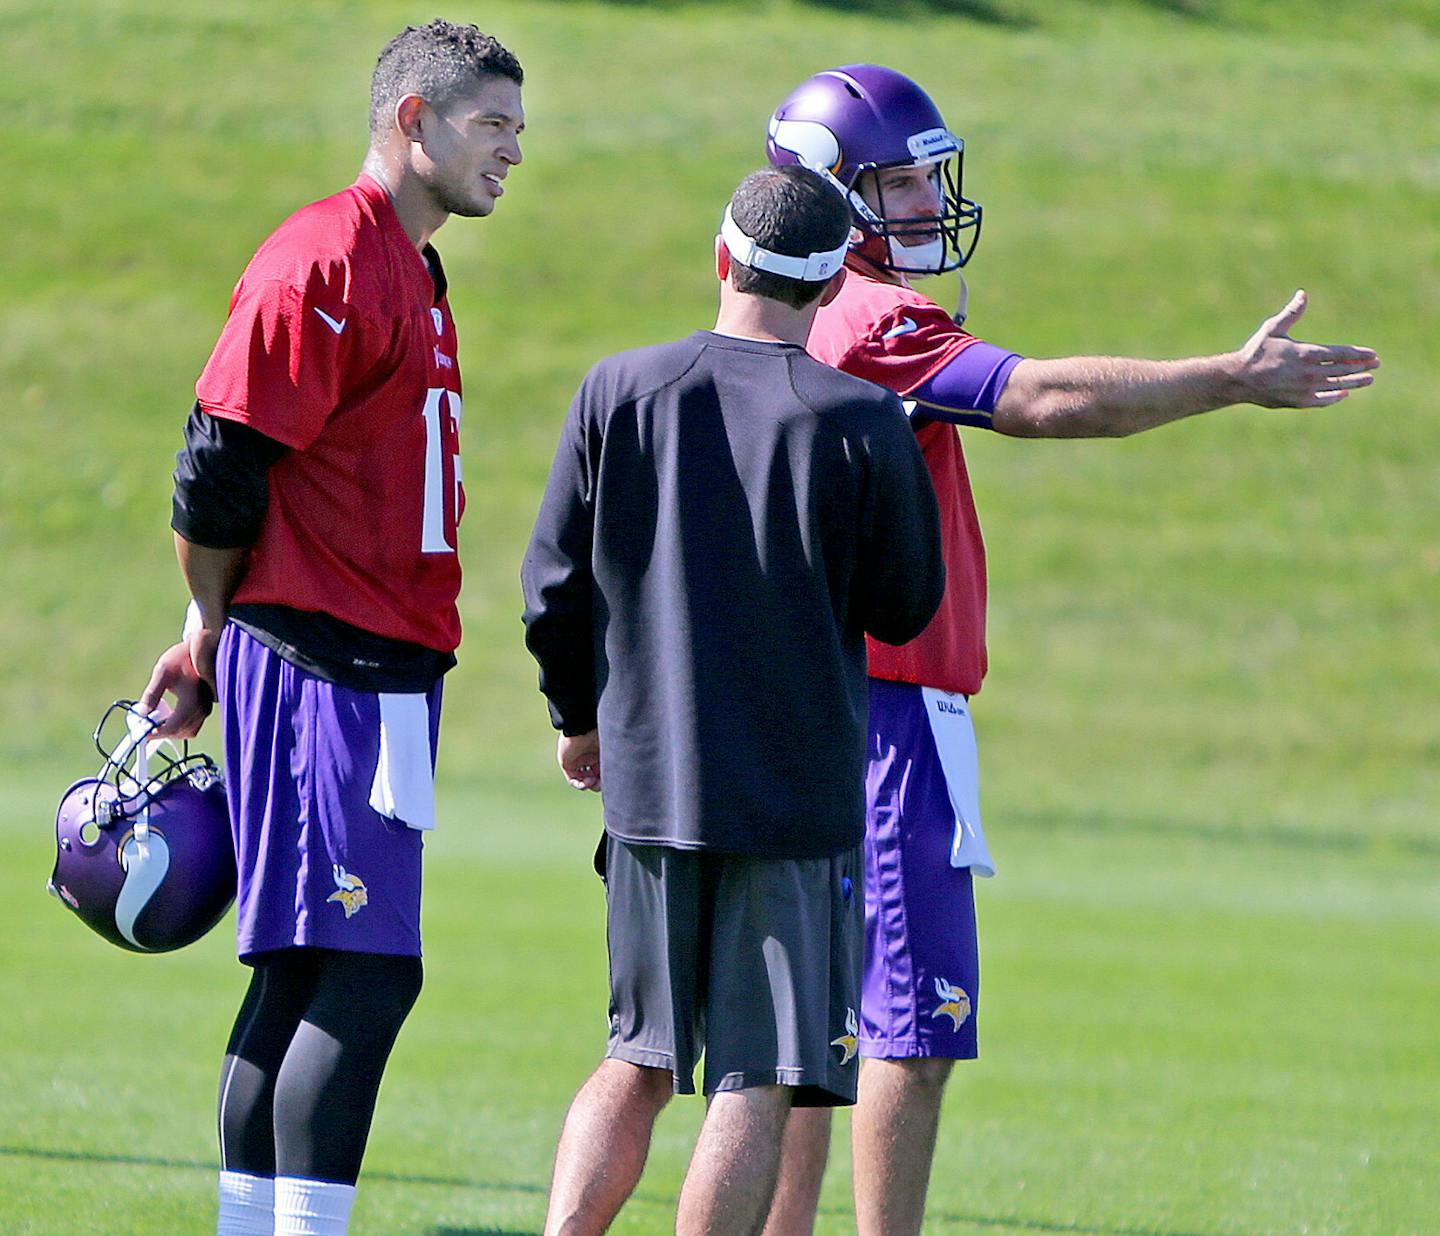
(1212, 995)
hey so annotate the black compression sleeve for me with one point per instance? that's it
(326, 1088)
(222, 481)
(303, 1068)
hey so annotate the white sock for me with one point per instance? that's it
(312, 1207)
(247, 1205)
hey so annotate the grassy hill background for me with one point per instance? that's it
(1211, 752)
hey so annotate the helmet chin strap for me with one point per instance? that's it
(140, 727)
(923, 259)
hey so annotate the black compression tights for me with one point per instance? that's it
(305, 1059)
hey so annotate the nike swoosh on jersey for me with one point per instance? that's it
(905, 327)
(336, 326)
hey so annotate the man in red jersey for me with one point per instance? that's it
(315, 515)
(883, 143)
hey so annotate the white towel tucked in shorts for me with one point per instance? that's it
(404, 786)
(955, 742)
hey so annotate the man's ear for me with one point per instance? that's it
(832, 289)
(409, 113)
(722, 259)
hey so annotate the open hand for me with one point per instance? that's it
(1277, 371)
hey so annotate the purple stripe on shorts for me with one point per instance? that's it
(921, 991)
(318, 865)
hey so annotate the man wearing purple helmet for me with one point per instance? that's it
(883, 143)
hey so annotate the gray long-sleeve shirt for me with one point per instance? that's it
(724, 521)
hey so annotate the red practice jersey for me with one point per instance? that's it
(892, 335)
(340, 346)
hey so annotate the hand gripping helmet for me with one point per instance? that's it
(866, 118)
(145, 858)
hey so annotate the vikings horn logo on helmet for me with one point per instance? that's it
(144, 858)
(810, 142)
(146, 861)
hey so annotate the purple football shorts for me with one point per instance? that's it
(318, 865)
(921, 991)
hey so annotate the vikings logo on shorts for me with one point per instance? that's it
(349, 890)
(954, 1003)
(847, 1042)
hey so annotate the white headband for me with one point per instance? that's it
(813, 269)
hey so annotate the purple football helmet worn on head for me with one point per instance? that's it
(145, 857)
(863, 118)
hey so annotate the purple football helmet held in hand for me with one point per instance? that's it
(864, 118)
(145, 857)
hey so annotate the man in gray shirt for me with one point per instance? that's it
(725, 520)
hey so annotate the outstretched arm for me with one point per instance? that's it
(1112, 397)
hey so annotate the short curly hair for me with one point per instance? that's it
(437, 61)
(788, 210)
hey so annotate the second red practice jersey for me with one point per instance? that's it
(892, 335)
(340, 346)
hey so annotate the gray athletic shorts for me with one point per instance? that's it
(754, 961)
